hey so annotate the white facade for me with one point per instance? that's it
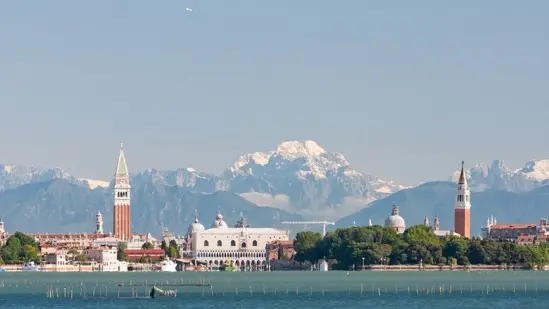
(106, 241)
(136, 241)
(106, 258)
(463, 195)
(60, 257)
(102, 255)
(242, 247)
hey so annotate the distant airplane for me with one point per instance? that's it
(189, 9)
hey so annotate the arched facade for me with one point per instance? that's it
(242, 247)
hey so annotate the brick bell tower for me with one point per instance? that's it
(462, 211)
(122, 219)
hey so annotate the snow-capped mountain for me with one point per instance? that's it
(298, 176)
(13, 176)
(499, 177)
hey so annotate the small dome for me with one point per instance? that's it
(218, 222)
(196, 227)
(395, 221)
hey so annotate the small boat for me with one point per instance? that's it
(30, 266)
(168, 266)
(228, 267)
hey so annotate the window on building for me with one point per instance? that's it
(233, 243)
(254, 243)
(219, 243)
(243, 245)
(206, 243)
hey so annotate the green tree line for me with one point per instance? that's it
(418, 244)
(171, 249)
(20, 248)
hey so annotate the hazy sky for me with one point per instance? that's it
(404, 89)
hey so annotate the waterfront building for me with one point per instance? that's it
(59, 257)
(66, 240)
(527, 232)
(395, 221)
(243, 246)
(462, 211)
(280, 250)
(102, 255)
(135, 255)
(122, 190)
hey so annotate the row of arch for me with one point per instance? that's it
(238, 263)
(231, 255)
(233, 244)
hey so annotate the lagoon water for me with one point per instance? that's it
(494, 289)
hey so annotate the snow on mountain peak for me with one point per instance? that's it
(259, 158)
(536, 170)
(93, 183)
(498, 176)
(317, 161)
(297, 149)
(8, 168)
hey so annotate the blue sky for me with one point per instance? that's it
(404, 89)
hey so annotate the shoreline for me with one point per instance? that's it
(444, 267)
(372, 268)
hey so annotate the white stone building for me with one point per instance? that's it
(102, 255)
(106, 258)
(243, 247)
(60, 257)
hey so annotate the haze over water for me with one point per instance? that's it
(506, 289)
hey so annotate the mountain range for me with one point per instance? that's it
(296, 180)
(61, 206)
(497, 176)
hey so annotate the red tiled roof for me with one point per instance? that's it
(513, 226)
(144, 251)
(66, 235)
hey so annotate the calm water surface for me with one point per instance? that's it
(517, 289)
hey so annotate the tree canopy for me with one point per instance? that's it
(379, 245)
(173, 250)
(121, 254)
(147, 245)
(20, 248)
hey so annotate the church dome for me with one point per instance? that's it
(218, 222)
(395, 221)
(195, 227)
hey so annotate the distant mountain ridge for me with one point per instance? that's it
(13, 176)
(298, 176)
(498, 176)
(61, 206)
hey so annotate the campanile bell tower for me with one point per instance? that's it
(122, 218)
(462, 211)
